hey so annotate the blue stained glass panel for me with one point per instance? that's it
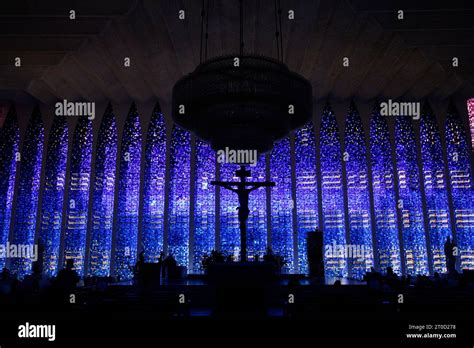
(154, 187)
(103, 196)
(383, 186)
(78, 194)
(462, 186)
(9, 151)
(179, 193)
(28, 192)
(229, 222)
(53, 195)
(358, 198)
(307, 219)
(282, 204)
(410, 205)
(435, 188)
(204, 203)
(128, 196)
(332, 193)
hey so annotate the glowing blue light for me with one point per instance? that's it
(307, 218)
(386, 225)
(332, 193)
(204, 203)
(462, 186)
(78, 195)
(257, 221)
(282, 204)
(9, 146)
(229, 222)
(179, 193)
(358, 198)
(28, 191)
(128, 196)
(410, 204)
(435, 188)
(53, 195)
(103, 196)
(154, 187)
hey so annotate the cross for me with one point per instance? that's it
(243, 189)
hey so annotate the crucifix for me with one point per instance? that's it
(243, 189)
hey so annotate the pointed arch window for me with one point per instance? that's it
(383, 186)
(103, 196)
(204, 203)
(332, 193)
(179, 193)
(435, 188)
(53, 195)
(154, 187)
(28, 191)
(128, 196)
(358, 197)
(307, 215)
(9, 156)
(411, 208)
(78, 195)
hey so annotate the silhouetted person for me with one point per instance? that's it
(67, 278)
(450, 257)
(170, 267)
(6, 274)
(161, 257)
(138, 271)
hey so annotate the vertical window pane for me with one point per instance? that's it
(128, 196)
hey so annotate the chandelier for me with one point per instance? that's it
(242, 101)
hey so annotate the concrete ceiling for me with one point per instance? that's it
(83, 59)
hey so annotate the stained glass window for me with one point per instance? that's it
(78, 194)
(229, 222)
(204, 203)
(410, 203)
(257, 220)
(307, 219)
(28, 191)
(103, 196)
(462, 186)
(179, 193)
(53, 195)
(435, 187)
(383, 186)
(9, 146)
(128, 196)
(282, 204)
(332, 193)
(358, 198)
(154, 187)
